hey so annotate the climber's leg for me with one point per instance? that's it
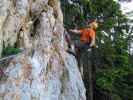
(71, 47)
(80, 48)
(68, 39)
(76, 48)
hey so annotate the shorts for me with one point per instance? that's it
(82, 46)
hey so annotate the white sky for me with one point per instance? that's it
(127, 7)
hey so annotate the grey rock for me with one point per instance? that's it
(45, 71)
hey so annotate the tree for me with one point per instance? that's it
(111, 57)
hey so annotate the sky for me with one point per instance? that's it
(127, 7)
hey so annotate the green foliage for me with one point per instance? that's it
(10, 51)
(124, 86)
(6, 52)
(107, 78)
(113, 65)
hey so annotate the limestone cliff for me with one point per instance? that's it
(44, 71)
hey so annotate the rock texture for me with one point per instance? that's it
(44, 71)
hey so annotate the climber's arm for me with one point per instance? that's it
(93, 44)
(75, 31)
(93, 41)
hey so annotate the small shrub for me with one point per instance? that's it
(10, 51)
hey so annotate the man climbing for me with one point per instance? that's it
(87, 36)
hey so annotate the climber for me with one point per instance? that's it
(87, 36)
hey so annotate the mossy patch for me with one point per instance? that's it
(10, 51)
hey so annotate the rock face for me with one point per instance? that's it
(44, 71)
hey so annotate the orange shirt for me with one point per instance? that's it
(87, 35)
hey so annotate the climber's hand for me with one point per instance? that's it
(93, 45)
(70, 30)
(75, 31)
